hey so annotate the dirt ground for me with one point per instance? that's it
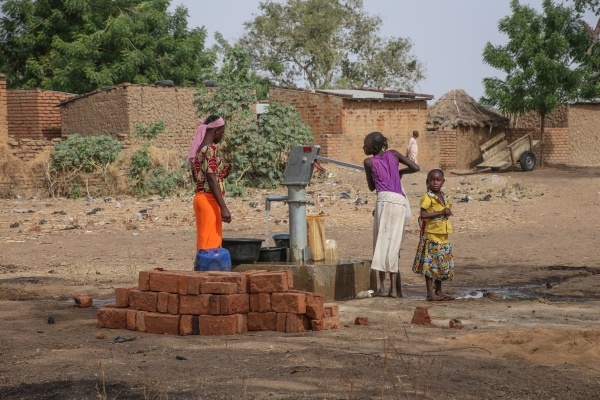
(527, 275)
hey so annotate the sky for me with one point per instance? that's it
(448, 36)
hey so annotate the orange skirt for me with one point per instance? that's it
(209, 226)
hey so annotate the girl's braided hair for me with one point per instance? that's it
(379, 141)
(211, 118)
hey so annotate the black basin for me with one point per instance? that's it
(242, 250)
(282, 239)
(272, 254)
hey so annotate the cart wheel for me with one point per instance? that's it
(527, 161)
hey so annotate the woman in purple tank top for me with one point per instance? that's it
(383, 175)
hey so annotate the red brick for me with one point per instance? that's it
(144, 280)
(131, 316)
(260, 302)
(188, 325)
(268, 282)
(317, 325)
(112, 318)
(218, 325)
(110, 305)
(140, 321)
(296, 323)
(361, 321)
(421, 316)
(239, 279)
(289, 302)
(218, 288)
(122, 296)
(164, 281)
(242, 323)
(162, 323)
(214, 304)
(314, 305)
(194, 282)
(332, 310)
(173, 304)
(194, 304)
(143, 301)
(234, 304)
(83, 301)
(280, 324)
(332, 323)
(262, 321)
(162, 302)
(184, 280)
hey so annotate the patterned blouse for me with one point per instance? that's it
(208, 161)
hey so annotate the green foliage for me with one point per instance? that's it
(278, 131)
(79, 46)
(235, 62)
(544, 60)
(330, 43)
(592, 5)
(85, 153)
(257, 150)
(149, 132)
(146, 179)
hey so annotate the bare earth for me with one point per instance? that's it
(526, 259)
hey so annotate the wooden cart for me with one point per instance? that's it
(498, 154)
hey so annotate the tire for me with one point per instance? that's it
(527, 161)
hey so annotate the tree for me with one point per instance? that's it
(235, 65)
(79, 46)
(257, 150)
(328, 43)
(544, 62)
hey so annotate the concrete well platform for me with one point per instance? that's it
(341, 281)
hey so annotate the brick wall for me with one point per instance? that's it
(531, 120)
(321, 111)
(448, 149)
(340, 124)
(116, 112)
(584, 140)
(34, 122)
(3, 111)
(395, 119)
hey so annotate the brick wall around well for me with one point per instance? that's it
(584, 139)
(34, 121)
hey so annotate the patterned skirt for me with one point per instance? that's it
(434, 260)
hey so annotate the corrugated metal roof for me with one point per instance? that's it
(375, 94)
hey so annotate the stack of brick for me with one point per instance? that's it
(217, 303)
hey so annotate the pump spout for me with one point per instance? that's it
(271, 198)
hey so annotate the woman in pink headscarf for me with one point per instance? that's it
(209, 172)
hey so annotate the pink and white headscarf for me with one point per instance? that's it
(199, 137)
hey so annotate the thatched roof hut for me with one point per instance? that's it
(456, 108)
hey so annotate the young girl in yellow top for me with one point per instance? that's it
(434, 255)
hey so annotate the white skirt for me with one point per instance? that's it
(388, 231)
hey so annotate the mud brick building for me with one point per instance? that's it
(29, 119)
(116, 110)
(3, 112)
(571, 134)
(340, 119)
(462, 125)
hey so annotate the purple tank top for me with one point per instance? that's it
(385, 173)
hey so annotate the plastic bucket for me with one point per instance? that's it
(213, 260)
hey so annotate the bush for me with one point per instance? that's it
(85, 153)
(257, 150)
